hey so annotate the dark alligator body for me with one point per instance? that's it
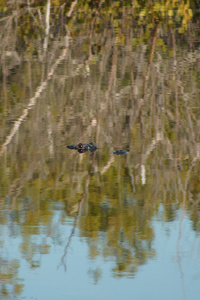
(92, 147)
(120, 152)
(82, 148)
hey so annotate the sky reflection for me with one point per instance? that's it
(173, 273)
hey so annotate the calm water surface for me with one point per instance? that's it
(172, 273)
(96, 225)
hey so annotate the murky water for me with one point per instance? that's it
(97, 225)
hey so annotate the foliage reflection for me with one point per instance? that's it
(125, 77)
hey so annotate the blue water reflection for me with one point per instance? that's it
(173, 273)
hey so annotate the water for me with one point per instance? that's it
(172, 271)
(97, 225)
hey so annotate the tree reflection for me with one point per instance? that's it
(10, 284)
(123, 78)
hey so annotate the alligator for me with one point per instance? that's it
(82, 148)
(120, 152)
(92, 147)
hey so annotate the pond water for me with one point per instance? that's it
(97, 225)
(173, 272)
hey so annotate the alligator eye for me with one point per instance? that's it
(80, 145)
(81, 150)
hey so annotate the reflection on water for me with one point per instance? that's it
(124, 206)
